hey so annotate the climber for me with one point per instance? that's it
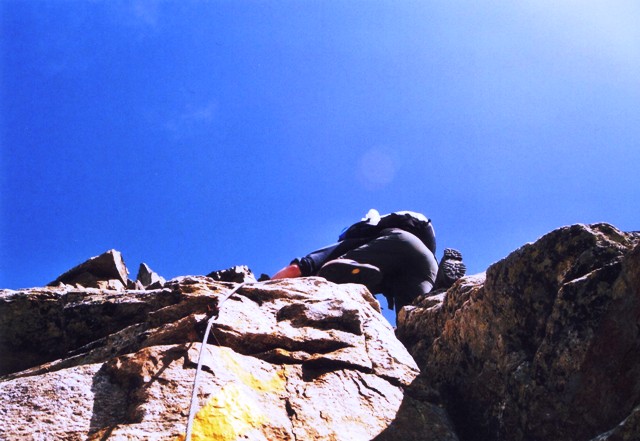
(391, 254)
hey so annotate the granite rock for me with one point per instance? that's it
(545, 345)
(285, 360)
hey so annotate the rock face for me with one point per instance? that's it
(543, 346)
(546, 346)
(298, 359)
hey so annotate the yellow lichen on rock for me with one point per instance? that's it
(231, 412)
(274, 384)
(226, 416)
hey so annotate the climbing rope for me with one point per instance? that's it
(192, 406)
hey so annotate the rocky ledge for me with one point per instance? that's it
(296, 359)
(543, 346)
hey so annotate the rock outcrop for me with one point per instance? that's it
(543, 346)
(298, 359)
(106, 271)
(236, 274)
(148, 278)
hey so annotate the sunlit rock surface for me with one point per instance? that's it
(296, 359)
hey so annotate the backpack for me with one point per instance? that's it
(414, 223)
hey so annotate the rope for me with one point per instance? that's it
(192, 406)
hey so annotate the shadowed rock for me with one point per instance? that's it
(236, 274)
(149, 278)
(547, 346)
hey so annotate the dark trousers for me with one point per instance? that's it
(408, 267)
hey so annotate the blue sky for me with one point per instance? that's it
(198, 135)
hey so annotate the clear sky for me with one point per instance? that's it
(198, 135)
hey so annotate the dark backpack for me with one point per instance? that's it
(402, 220)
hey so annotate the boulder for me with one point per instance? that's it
(236, 274)
(285, 360)
(106, 271)
(148, 278)
(545, 345)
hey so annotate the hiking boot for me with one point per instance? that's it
(350, 271)
(451, 268)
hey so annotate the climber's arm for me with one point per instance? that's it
(288, 272)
